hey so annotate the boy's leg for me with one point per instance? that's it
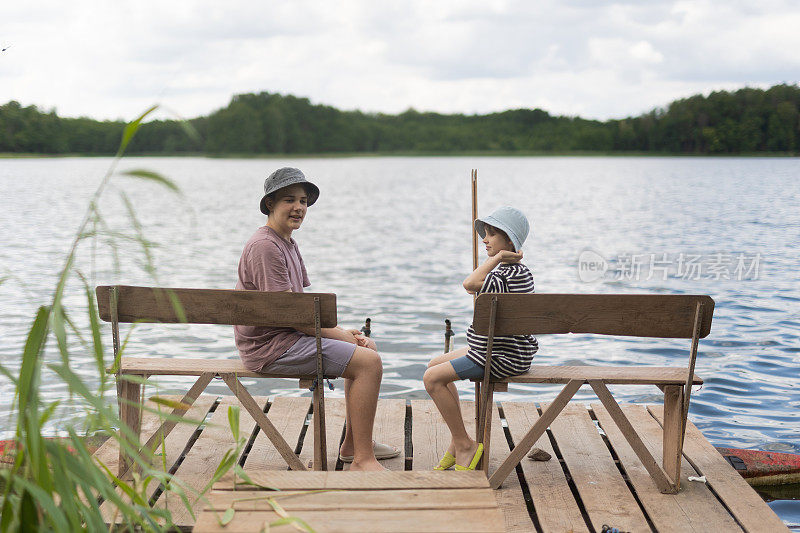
(364, 371)
(347, 443)
(436, 379)
(446, 358)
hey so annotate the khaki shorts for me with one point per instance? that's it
(301, 358)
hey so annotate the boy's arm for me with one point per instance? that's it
(336, 333)
(475, 280)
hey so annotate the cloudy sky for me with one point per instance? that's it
(574, 57)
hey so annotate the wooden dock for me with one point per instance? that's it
(593, 479)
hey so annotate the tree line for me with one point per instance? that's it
(745, 121)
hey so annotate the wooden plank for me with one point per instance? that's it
(385, 480)
(334, 425)
(553, 501)
(109, 451)
(611, 375)
(174, 444)
(181, 366)
(603, 491)
(186, 403)
(509, 496)
(214, 306)
(633, 438)
(264, 423)
(744, 503)
(639, 315)
(694, 508)
(377, 521)
(289, 416)
(390, 420)
(378, 499)
(526, 443)
(430, 437)
(203, 458)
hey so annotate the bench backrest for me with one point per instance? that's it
(214, 306)
(637, 315)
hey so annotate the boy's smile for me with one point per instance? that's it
(288, 209)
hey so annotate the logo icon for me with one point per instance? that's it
(591, 266)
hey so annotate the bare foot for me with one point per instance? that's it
(366, 466)
(464, 455)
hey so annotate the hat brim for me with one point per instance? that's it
(480, 227)
(311, 189)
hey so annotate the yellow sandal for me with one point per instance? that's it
(446, 462)
(475, 459)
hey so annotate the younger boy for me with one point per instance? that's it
(503, 233)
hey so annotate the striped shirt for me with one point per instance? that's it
(511, 355)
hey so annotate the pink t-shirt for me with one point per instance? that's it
(268, 263)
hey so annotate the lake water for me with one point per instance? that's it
(391, 237)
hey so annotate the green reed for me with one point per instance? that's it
(56, 484)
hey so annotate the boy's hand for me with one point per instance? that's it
(361, 340)
(509, 257)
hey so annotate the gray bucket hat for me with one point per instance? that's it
(283, 177)
(511, 221)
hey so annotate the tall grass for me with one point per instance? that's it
(56, 484)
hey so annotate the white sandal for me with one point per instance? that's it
(382, 451)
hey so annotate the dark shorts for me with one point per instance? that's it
(466, 368)
(301, 358)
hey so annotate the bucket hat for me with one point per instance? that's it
(283, 177)
(511, 221)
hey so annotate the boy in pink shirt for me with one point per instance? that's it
(271, 262)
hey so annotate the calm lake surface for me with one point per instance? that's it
(391, 237)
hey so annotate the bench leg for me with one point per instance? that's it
(128, 397)
(486, 438)
(657, 473)
(477, 409)
(320, 437)
(187, 401)
(673, 432)
(263, 422)
(538, 429)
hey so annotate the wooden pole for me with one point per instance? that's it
(448, 336)
(474, 177)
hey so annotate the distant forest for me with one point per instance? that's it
(746, 121)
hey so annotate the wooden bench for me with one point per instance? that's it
(128, 304)
(638, 315)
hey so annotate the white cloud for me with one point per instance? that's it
(598, 60)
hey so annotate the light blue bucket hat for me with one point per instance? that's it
(511, 221)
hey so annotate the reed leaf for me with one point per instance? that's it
(233, 420)
(227, 516)
(48, 412)
(152, 176)
(97, 338)
(296, 522)
(173, 404)
(60, 332)
(131, 129)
